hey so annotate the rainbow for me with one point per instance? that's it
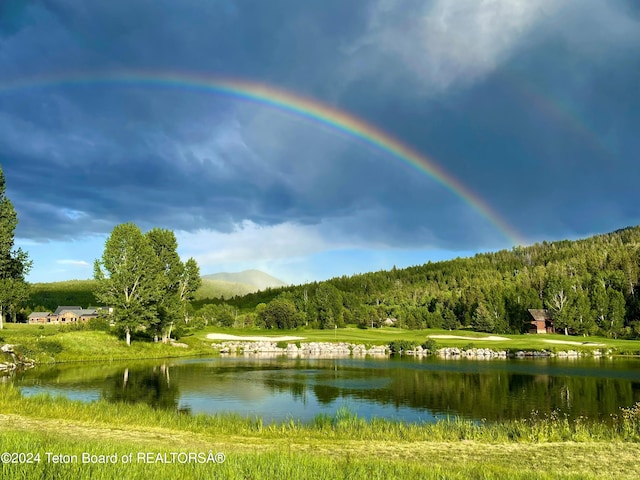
(288, 102)
(555, 110)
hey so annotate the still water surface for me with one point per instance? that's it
(405, 389)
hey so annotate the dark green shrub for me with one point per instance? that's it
(179, 331)
(430, 345)
(397, 347)
(282, 344)
(98, 324)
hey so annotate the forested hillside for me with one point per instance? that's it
(48, 296)
(590, 286)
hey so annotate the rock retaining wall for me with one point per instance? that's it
(311, 349)
(342, 349)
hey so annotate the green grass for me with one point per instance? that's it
(385, 335)
(55, 343)
(338, 446)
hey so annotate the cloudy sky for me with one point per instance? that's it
(529, 112)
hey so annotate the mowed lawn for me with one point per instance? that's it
(385, 335)
(54, 343)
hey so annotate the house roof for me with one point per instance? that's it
(80, 312)
(61, 309)
(540, 314)
(39, 314)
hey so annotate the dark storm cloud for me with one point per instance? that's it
(532, 114)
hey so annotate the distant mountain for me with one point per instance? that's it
(257, 279)
(221, 289)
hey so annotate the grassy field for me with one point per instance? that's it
(338, 446)
(54, 343)
(382, 336)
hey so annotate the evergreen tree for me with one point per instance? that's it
(14, 263)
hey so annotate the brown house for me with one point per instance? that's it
(40, 317)
(542, 321)
(64, 315)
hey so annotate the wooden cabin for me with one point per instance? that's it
(542, 321)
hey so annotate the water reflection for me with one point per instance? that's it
(413, 390)
(152, 386)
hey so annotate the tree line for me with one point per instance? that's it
(589, 286)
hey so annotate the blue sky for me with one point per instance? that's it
(532, 106)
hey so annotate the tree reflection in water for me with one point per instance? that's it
(151, 385)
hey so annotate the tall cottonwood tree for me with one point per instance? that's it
(129, 282)
(14, 263)
(177, 281)
(142, 278)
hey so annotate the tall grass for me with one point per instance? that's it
(624, 427)
(280, 464)
(342, 445)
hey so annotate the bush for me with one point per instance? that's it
(179, 331)
(98, 324)
(430, 345)
(73, 327)
(400, 346)
(282, 344)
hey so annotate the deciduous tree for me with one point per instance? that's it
(129, 278)
(142, 277)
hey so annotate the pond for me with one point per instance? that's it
(407, 389)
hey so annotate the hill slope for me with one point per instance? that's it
(257, 279)
(590, 286)
(221, 289)
(71, 292)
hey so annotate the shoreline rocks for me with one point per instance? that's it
(15, 361)
(343, 349)
(299, 349)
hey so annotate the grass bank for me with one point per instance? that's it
(338, 446)
(54, 343)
